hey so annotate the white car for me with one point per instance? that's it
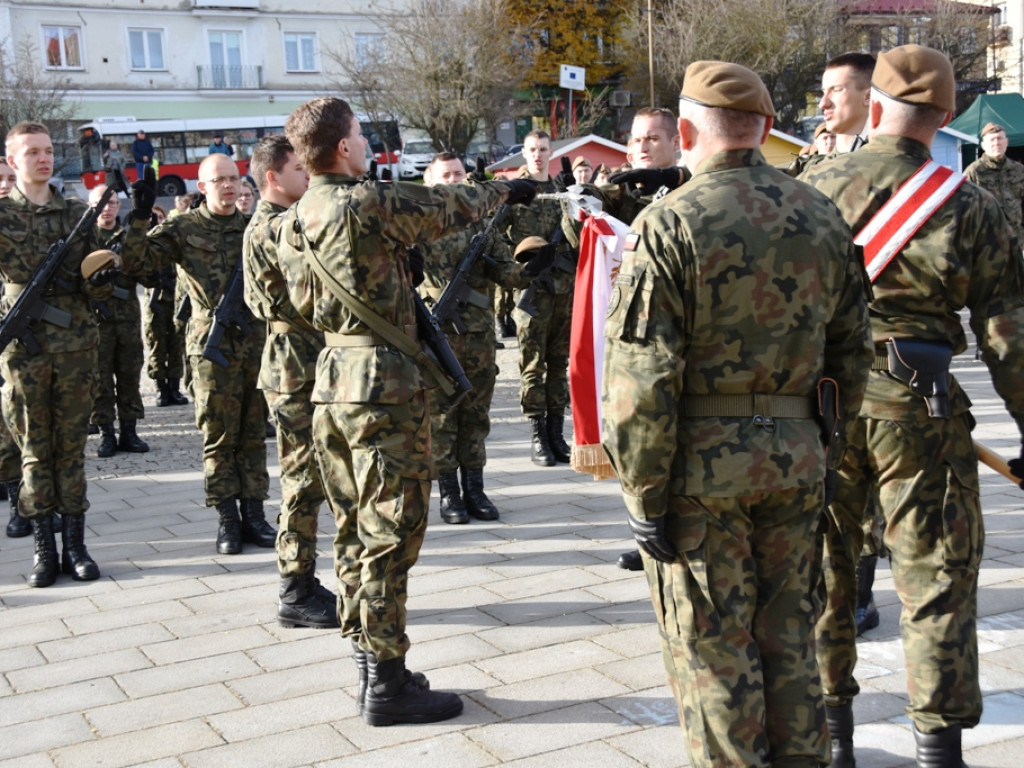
(415, 157)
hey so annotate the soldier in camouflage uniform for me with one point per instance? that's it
(286, 378)
(916, 457)
(1001, 176)
(544, 337)
(458, 435)
(166, 363)
(47, 396)
(207, 244)
(10, 458)
(120, 354)
(344, 253)
(737, 293)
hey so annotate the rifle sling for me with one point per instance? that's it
(51, 314)
(386, 330)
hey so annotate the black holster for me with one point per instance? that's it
(924, 367)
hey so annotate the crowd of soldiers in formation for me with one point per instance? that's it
(737, 336)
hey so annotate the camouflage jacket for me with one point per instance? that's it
(960, 257)
(1005, 179)
(360, 232)
(741, 282)
(442, 257)
(123, 305)
(207, 247)
(541, 219)
(27, 231)
(289, 357)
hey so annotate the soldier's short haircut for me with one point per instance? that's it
(899, 115)
(271, 154)
(23, 128)
(315, 129)
(862, 64)
(537, 134)
(443, 157)
(732, 124)
(664, 116)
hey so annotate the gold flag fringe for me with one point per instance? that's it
(592, 460)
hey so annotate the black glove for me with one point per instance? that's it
(650, 537)
(539, 260)
(104, 276)
(144, 195)
(649, 180)
(416, 265)
(198, 198)
(521, 191)
(479, 174)
(1017, 466)
(371, 174)
(564, 179)
(385, 175)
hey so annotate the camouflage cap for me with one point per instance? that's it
(580, 160)
(992, 128)
(916, 74)
(725, 85)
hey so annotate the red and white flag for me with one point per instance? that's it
(600, 257)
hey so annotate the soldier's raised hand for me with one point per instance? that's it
(144, 195)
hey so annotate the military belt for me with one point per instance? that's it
(291, 325)
(746, 406)
(51, 314)
(280, 326)
(363, 339)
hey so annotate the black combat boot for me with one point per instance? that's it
(396, 695)
(174, 393)
(163, 397)
(18, 527)
(108, 442)
(45, 566)
(477, 503)
(559, 448)
(130, 441)
(361, 665)
(300, 604)
(3, 492)
(508, 327)
(255, 528)
(229, 529)
(541, 454)
(940, 749)
(867, 613)
(630, 561)
(75, 560)
(840, 728)
(453, 510)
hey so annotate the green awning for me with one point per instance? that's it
(1007, 109)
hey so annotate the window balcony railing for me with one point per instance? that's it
(230, 77)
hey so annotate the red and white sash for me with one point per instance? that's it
(903, 214)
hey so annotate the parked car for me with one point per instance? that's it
(489, 151)
(515, 149)
(415, 157)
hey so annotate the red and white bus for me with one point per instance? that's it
(180, 145)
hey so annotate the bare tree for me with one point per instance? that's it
(28, 92)
(445, 67)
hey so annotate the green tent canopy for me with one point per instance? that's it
(1007, 109)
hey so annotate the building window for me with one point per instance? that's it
(300, 52)
(367, 45)
(146, 48)
(226, 58)
(890, 37)
(62, 47)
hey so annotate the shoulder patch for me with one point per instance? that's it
(632, 241)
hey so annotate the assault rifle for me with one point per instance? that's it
(438, 349)
(229, 312)
(545, 278)
(457, 293)
(163, 290)
(29, 308)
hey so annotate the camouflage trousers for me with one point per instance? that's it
(232, 415)
(926, 485)
(302, 493)
(736, 616)
(119, 368)
(504, 301)
(46, 402)
(166, 341)
(544, 354)
(376, 468)
(458, 434)
(10, 456)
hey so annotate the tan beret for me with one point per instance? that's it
(992, 128)
(730, 86)
(98, 260)
(531, 243)
(580, 160)
(916, 74)
(822, 128)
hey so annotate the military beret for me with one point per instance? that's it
(821, 129)
(580, 160)
(730, 86)
(531, 243)
(916, 74)
(992, 128)
(98, 260)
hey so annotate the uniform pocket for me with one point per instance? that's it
(629, 304)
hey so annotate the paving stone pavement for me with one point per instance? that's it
(173, 658)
